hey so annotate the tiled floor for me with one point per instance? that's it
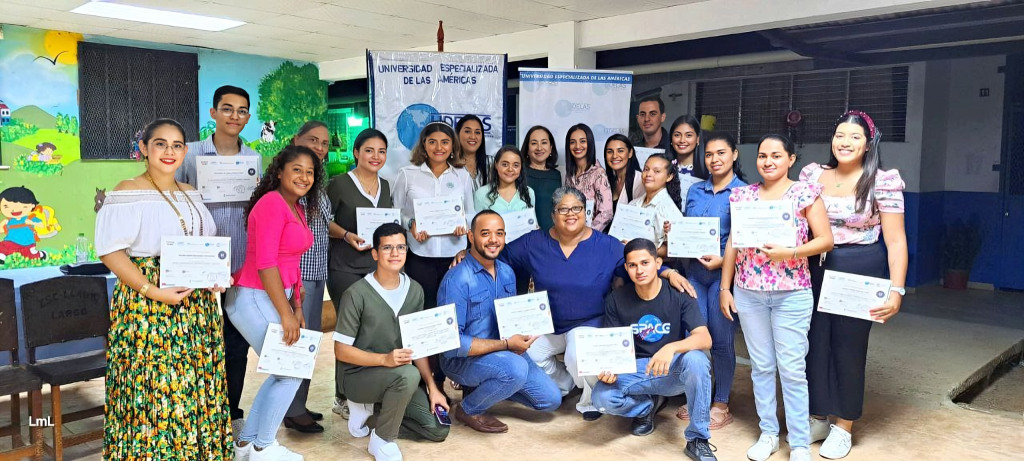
(914, 361)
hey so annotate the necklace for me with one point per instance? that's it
(835, 177)
(369, 190)
(190, 206)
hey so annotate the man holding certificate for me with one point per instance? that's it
(668, 362)
(369, 349)
(496, 368)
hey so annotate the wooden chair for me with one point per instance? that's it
(59, 310)
(15, 379)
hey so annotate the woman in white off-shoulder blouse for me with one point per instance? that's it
(166, 393)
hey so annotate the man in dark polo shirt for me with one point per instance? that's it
(650, 116)
(668, 361)
(377, 369)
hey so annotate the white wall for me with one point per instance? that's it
(975, 125)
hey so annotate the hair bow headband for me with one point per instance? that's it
(866, 117)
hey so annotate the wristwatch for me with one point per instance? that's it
(902, 291)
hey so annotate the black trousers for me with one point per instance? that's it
(236, 357)
(837, 358)
(429, 272)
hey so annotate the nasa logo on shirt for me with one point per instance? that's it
(651, 329)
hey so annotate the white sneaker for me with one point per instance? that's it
(340, 408)
(242, 453)
(766, 446)
(837, 445)
(383, 451)
(800, 454)
(358, 414)
(819, 429)
(274, 452)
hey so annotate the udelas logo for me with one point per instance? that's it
(651, 329)
(414, 118)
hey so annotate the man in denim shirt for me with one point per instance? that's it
(495, 368)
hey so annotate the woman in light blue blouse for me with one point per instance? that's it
(506, 190)
(710, 199)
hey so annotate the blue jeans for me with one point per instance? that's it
(631, 394)
(312, 310)
(723, 331)
(502, 375)
(251, 311)
(775, 326)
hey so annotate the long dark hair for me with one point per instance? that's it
(552, 161)
(673, 186)
(481, 151)
(495, 182)
(699, 170)
(871, 161)
(570, 162)
(631, 165)
(731, 141)
(270, 182)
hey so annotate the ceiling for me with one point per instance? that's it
(322, 30)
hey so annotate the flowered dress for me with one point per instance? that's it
(754, 269)
(166, 396)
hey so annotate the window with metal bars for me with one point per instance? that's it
(121, 89)
(755, 106)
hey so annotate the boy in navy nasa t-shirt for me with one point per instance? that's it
(668, 361)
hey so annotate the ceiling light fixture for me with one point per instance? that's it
(152, 16)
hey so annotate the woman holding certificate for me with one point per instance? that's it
(661, 193)
(623, 170)
(584, 174)
(506, 190)
(766, 258)
(165, 347)
(270, 286)
(542, 171)
(864, 203)
(361, 189)
(710, 199)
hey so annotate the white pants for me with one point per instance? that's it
(543, 352)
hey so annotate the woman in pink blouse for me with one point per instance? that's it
(863, 203)
(773, 296)
(583, 173)
(270, 287)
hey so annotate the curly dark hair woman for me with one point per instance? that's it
(271, 180)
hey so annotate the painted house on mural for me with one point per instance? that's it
(5, 114)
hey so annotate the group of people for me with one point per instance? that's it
(177, 358)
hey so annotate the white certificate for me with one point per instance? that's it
(519, 223)
(195, 262)
(297, 360)
(632, 222)
(369, 219)
(590, 212)
(695, 238)
(528, 314)
(227, 178)
(605, 349)
(439, 215)
(643, 153)
(430, 331)
(852, 295)
(765, 221)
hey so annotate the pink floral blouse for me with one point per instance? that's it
(754, 270)
(850, 227)
(594, 185)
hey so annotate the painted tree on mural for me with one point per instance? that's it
(290, 96)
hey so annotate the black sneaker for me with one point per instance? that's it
(700, 450)
(592, 415)
(644, 425)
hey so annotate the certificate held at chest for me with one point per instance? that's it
(755, 224)
(195, 262)
(519, 223)
(439, 215)
(633, 222)
(227, 178)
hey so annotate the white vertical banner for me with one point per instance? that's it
(558, 99)
(410, 89)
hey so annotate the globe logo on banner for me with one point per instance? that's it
(565, 108)
(412, 120)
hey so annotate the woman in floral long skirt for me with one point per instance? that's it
(166, 393)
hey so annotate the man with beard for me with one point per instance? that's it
(495, 369)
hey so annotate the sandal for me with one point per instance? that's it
(683, 413)
(456, 385)
(719, 418)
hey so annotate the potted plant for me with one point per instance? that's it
(961, 244)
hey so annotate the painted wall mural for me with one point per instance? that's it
(48, 195)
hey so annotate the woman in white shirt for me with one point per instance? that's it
(623, 170)
(165, 347)
(661, 193)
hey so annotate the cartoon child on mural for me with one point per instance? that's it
(25, 222)
(44, 153)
